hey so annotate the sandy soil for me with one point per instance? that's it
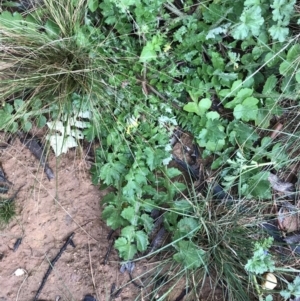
(47, 213)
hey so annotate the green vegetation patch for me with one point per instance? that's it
(130, 73)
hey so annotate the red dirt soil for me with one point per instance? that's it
(47, 213)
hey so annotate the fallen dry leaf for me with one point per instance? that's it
(288, 218)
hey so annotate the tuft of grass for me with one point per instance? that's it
(227, 232)
(41, 58)
(7, 211)
(48, 54)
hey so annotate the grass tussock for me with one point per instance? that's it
(46, 56)
(7, 211)
(41, 60)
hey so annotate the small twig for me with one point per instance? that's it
(117, 293)
(38, 151)
(108, 252)
(276, 130)
(144, 82)
(183, 293)
(163, 98)
(110, 234)
(171, 7)
(112, 289)
(134, 283)
(52, 263)
(144, 87)
(91, 267)
(21, 286)
(194, 283)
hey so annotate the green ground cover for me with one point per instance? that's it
(127, 74)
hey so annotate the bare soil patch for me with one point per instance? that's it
(47, 213)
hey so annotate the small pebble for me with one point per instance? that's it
(19, 272)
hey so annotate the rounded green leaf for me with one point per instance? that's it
(250, 101)
(93, 5)
(204, 105)
(129, 233)
(270, 84)
(191, 107)
(213, 115)
(238, 111)
(285, 67)
(27, 126)
(190, 255)
(148, 53)
(52, 28)
(186, 226)
(126, 249)
(294, 53)
(41, 121)
(141, 240)
(129, 214)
